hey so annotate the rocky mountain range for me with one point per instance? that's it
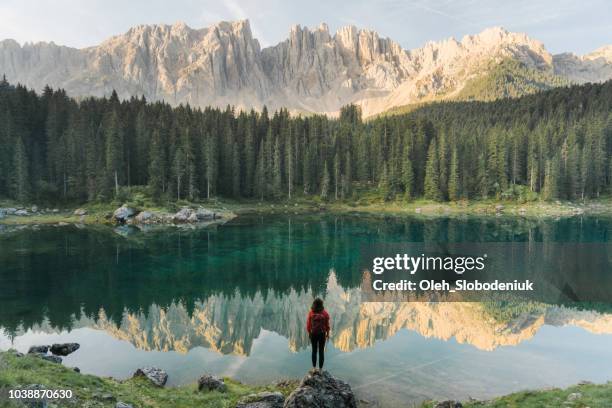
(312, 70)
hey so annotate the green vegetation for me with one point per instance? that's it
(508, 79)
(579, 396)
(19, 372)
(91, 391)
(553, 145)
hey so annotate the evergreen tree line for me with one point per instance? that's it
(54, 148)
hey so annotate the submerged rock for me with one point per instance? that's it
(211, 383)
(318, 389)
(262, 400)
(156, 375)
(64, 349)
(38, 349)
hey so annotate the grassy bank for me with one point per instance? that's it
(578, 396)
(91, 391)
(370, 202)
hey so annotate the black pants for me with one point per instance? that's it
(318, 343)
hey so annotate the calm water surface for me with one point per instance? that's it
(231, 300)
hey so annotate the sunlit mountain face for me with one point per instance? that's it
(234, 298)
(313, 70)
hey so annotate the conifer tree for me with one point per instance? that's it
(408, 178)
(325, 183)
(21, 178)
(453, 180)
(432, 173)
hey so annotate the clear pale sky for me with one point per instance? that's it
(563, 25)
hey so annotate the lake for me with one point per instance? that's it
(232, 300)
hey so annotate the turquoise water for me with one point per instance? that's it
(232, 300)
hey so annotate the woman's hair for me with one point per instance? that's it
(317, 305)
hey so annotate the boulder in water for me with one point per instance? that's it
(211, 383)
(262, 400)
(122, 213)
(319, 389)
(38, 349)
(156, 375)
(183, 215)
(64, 349)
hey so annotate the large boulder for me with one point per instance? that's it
(38, 349)
(262, 400)
(64, 349)
(124, 212)
(318, 389)
(145, 217)
(202, 214)
(183, 215)
(211, 383)
(80, 212)
(156, 375)
(21, 213)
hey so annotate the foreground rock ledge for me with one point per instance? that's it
(318, 389)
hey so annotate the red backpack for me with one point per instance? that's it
(317, 323)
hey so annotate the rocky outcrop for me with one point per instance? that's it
(123, 213)
(262, 400)
(313, 70)
(208, 383)
(157, 376)
(38, 349)
(64, 349)
(187, 214)
(319, 389)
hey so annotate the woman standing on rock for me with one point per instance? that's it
(317, 325)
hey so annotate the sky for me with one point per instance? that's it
(562, 25)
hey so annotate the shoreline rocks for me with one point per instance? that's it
(264, 399)
(157, 376)
(64, 349)
(38, 349)
(319, 389)
(122, 214)
(208, 383)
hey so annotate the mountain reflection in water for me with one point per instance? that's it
(234, 298)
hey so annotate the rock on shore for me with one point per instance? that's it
(264, 399)
(157, 376)
(319, 389)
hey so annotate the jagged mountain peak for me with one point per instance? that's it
(312, 70)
